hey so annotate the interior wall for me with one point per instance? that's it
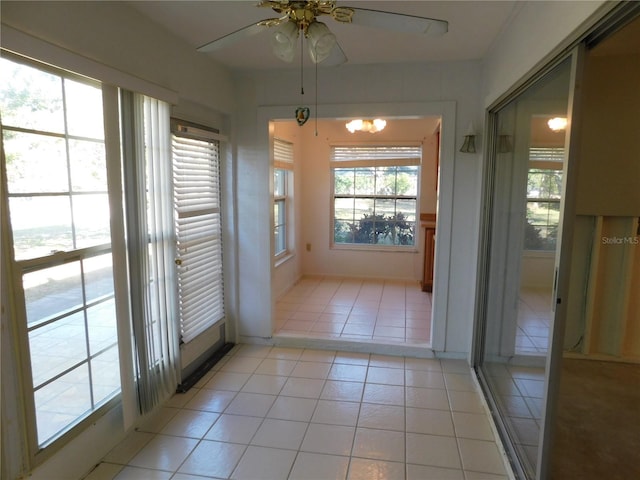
(537, 270)
(317, 231)
(116, 35)
(355, 87)
(288, 272)
(535, 30)
(607, 208)
(610, 148)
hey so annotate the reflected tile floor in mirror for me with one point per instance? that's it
(519, 393)
(534, 320)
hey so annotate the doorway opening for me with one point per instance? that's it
(355, 267)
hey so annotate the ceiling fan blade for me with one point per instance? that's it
(336, 57)
(233, 37)
(398, 22)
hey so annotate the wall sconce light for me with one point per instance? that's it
(371, 126)
(469, 144)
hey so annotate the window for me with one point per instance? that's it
(375, 194)
(280, 210)
(196, 176)
(282, 180)
(59, 224)
(544, 191)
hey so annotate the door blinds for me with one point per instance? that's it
(196, 165)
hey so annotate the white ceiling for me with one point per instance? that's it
(473, 26)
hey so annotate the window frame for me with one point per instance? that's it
(283, 161)
(371, 155)
(544, 160)
(38, 451)
(280, 221)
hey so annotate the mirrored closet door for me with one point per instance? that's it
(557, 349)
(525, 185)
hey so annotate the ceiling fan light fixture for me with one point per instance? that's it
(284, 41)
(371, 126)
(320, 41)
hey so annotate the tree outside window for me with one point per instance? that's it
(544, 190)
(280, 210)
(375, 205)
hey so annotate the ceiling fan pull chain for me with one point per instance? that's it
(316, 112)
(302, 113)
(301, 67)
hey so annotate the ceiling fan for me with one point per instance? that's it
(301, 17)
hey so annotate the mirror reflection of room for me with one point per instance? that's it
(527, 194)
(544, 192)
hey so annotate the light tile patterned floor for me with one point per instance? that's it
(386, 311)
(534, 319)
(286, 413)
(519, 394)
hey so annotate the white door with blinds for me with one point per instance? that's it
(196, 174)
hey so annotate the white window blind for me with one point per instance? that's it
(547, 154)
(282, 154)
(196, 164)
(364, 155)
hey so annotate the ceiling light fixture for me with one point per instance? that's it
(299, 18)
(371, 126)
(320, 40)
(557, 124)
(283, 41)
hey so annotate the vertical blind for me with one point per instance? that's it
(196, 175)
(149, 218)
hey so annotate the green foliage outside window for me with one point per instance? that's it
(375, 205)
(544, 189)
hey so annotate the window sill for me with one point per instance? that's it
(539, 253)
(375, 248)
(284, 258)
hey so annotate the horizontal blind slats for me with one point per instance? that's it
(197, 297)
(198, 225)
(376, 153)
(282, 154)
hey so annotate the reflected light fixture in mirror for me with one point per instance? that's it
(469, 144)
(371, 126)
(557, 123)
